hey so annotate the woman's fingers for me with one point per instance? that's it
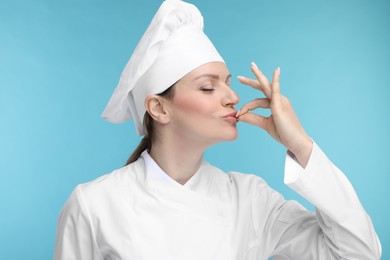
(261, 82)
(283, 124)
(254, 119)
(276, 82)
(254, 83)
(256, 103)
(250, 82)
(266, 85)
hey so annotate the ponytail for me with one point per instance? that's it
(146, 142)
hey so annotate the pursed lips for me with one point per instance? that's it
(231, 116)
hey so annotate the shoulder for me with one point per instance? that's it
(116, 179)
(109, 187)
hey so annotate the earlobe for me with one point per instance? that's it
(156, 107)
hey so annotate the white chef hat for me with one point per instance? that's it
(173, 45)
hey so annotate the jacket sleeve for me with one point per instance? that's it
(340, 229)
(75, 237)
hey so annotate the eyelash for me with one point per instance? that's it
(207, 90)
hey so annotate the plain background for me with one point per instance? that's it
(61, 60)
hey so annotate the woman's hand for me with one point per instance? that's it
(283, 124)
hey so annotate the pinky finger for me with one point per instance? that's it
(276, 81)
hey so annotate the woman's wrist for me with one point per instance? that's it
(303, 151)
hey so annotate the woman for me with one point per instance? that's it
(167, 203)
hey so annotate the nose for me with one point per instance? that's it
(231, 98)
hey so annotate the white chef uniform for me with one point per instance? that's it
(139, 213)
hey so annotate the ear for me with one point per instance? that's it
(157, 109)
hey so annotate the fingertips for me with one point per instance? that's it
(245, 80)
(241, 78)
(254, 65)
(242, 112)
(250, 82)
(253, 119)
(257, 71)
(276, 75)
(254, 68)
(259, 75)
(276, 81)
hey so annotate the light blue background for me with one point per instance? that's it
(61, 60)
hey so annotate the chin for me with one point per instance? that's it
(230, 136)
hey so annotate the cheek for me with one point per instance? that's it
(194, 105)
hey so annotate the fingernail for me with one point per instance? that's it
(244, 112)
(254, 65)
(278, 70)
(238, 112)
(240, 77)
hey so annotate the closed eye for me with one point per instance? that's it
(207, 90)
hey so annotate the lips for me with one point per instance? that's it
(232, 114)
(231, 117)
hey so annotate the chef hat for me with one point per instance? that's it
(173, 45)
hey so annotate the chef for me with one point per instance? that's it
(167, 203)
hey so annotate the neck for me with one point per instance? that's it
(180, 160)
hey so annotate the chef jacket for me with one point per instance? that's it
(139, 213)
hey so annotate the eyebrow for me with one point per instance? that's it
(209, 75)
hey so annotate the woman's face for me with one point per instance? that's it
(202, 108)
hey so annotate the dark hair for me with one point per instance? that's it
(146, 142)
